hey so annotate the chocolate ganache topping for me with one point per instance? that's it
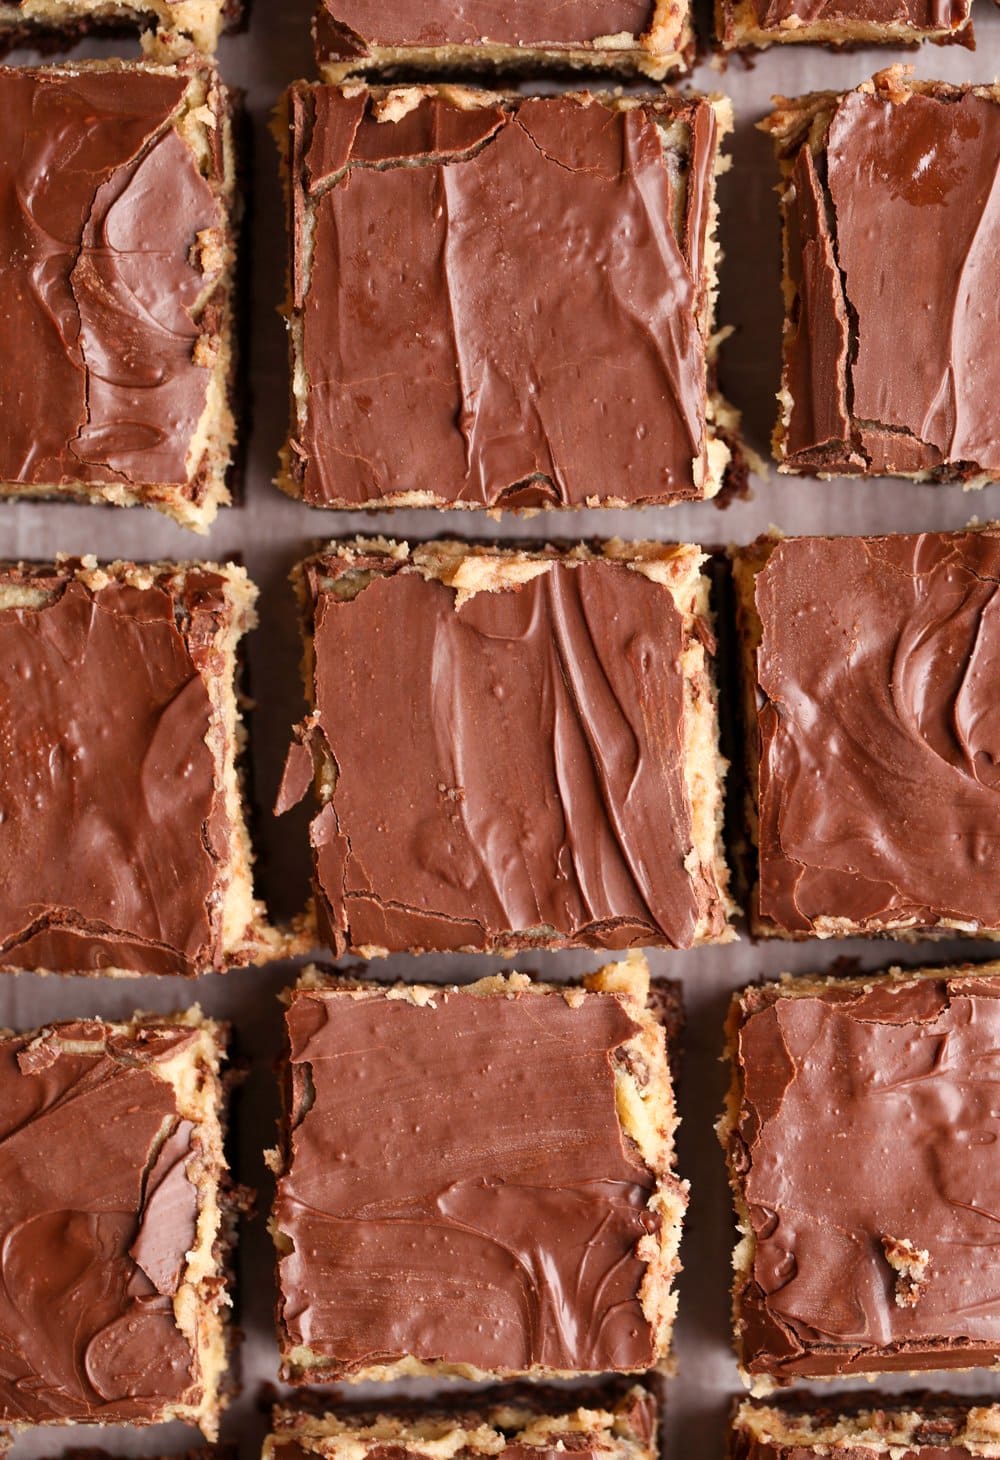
(913, 14)
(510, 771)
(459, 1187)
(348, 27)
(879, 732)
(497, 309)
(894, 238)
(96, 1218)
(868, 1127)
(101, 202)
(112, 829)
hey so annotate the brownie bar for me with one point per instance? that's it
(860, 1136)
(755, 24)
(512, 748)
(193, 22)
(518, 1425)
(889, 365)
(897, 1427)
(870, 674)
(476, 1181)
(117, 204)
(647, 37)
(122, 837)
(502, 302)
(115, 1223)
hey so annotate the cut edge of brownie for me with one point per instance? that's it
(724, 457)
(880, 1424)
(665, 48)
(647, 1114)
(802, 123)
(470, 568)
(244, 933)
(744, 1002)
(205, 123)
(201, 1303)
(615, 1419)
(48, 24)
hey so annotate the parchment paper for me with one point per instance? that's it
(272, 532)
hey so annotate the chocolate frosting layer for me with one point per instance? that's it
(92, 1242)
(349, 27)
(113, 832)
(868, 1122)
(514, 322)
(101, 203)
(479, 1204)
(879, 791)
(917, 173)
(511, 771)
(923, 15)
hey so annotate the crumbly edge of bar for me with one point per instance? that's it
(200, 21)
(789, 986)
(664, 49)
(884, 1429)
(244, 931)
(485, 1430)
(194, 504)
(737, 27)
(471, 568)
(647, 1113)
(722, 420)
(804, 121)
(202, 1302)
(746, 563)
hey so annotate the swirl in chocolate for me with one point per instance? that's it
(459, 1187)
(113, 832)
(96, 1218)
(865, 1152)
(879, 787)
(101, 205)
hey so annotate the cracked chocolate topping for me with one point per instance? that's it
(347, 28)
(101, 205)
(471, 1209)
(96, 1218)
(113, 832)
(867, 1112)
(510, 772)
(890, 360)
(501, 306)
(879, 741)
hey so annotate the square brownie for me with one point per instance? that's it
(194, 22)
(116, 1223)
(512, 748)
(889, 360)
(645, 37)
(476, 1181)
(513, 1423)
(895, 1427)
(861, 1133)
(122, 835)
(502, 301)
(755, 24)
(870, 671)
(117, 202)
